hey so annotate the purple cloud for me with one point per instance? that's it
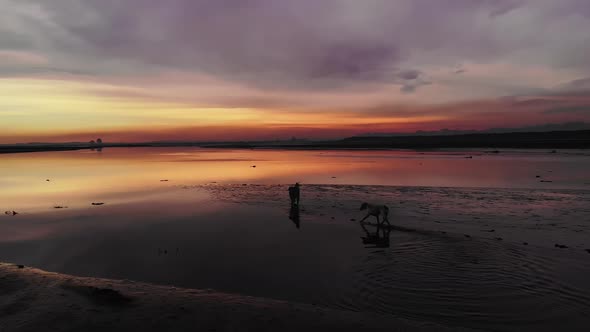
(297, 45)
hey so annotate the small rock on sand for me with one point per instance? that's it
(97, 203)
(164, 180)
(499, 239)
(11, 213)
(525, 243)
(466, 235)
(588, 251)
(561, 246)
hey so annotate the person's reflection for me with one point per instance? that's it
(294, 215)
(376, 240)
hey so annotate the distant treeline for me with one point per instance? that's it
(579, 139)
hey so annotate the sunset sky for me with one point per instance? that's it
(136, 70)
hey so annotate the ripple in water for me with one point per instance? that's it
(471, 283)
(457, 280)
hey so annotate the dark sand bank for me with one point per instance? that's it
(35, 300)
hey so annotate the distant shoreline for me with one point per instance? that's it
(579, 139)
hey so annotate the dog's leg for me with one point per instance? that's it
(367, 216)
(386, 220)
(366, 230)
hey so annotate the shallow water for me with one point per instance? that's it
(78, 176)
(443, 263)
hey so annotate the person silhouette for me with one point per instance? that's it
(294, 194)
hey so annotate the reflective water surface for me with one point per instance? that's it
(473, 243)
(77, 176)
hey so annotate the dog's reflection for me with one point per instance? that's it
(378, 239)
(294, 215)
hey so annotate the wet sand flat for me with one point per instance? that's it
(35, 300)
(239, 239)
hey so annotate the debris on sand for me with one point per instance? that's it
(488, 230)
(499, 239)
(20, 266)
(47, 180)
(588, 251)
(537, 176)
(469, 157)
(60, 207)
(333, 177)
(253, 166)
(548, 181)
(97, 203)
(164, 180)
(561, 246)
(10, 213)
(352, 219)
(468, 236)
(525, 243)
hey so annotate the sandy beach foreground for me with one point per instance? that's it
(36, 300)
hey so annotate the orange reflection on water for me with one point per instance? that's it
(77, 178)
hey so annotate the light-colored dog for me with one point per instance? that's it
(376, 211)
